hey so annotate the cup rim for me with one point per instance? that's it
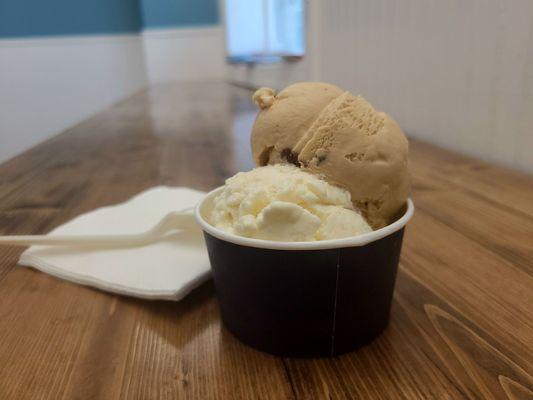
(352, 241)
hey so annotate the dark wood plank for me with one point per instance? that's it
(461, 320)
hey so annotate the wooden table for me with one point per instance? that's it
(462, 316)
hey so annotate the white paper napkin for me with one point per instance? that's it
(167, 269)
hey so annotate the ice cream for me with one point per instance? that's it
(339, 137)
(286, 117)
(285, 203)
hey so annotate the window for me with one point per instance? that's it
(264, 30)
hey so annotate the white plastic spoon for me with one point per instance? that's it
(183, 220)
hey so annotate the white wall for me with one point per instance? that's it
(184, 54)
(196, 54)
(49, 84)
(457, 73)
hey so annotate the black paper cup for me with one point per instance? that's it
(304, 299)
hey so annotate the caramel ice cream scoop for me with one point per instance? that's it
(339, 137)
(285, 117)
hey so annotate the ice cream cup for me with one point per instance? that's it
(304, 299)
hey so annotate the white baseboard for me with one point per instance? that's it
(49, 84)
(191, 54)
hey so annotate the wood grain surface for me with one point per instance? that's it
(462, 316)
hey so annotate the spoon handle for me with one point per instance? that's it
(172, 221)
(73, 240)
